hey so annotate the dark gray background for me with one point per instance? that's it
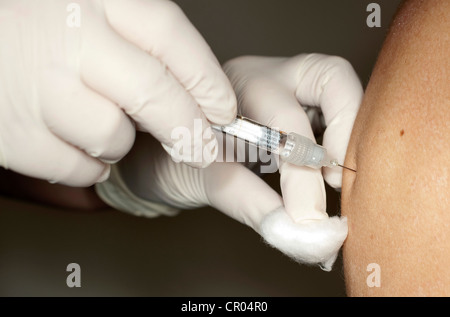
(200, 252)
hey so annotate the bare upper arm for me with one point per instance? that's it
(398, 202)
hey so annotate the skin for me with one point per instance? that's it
(397, 203)
(40, 191)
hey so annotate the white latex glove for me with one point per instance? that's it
(271, 91)
(65, 92)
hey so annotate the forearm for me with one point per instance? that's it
(42, 192)
(397, 202)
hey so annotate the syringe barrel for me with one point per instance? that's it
(300, 150)
(293, 148)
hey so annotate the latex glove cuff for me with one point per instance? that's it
(116, 194)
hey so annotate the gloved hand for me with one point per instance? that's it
(270, 91)
(66, 89)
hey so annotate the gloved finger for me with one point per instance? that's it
(228, 186)
(331, 83)
(56, 161)
(142, 86)
(239, 193)
(84, 118)
(161, 29)
(271, 101)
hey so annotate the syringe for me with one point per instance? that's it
(292, 147)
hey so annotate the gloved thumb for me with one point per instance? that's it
(236, 191)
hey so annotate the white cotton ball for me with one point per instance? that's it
(309, 241)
